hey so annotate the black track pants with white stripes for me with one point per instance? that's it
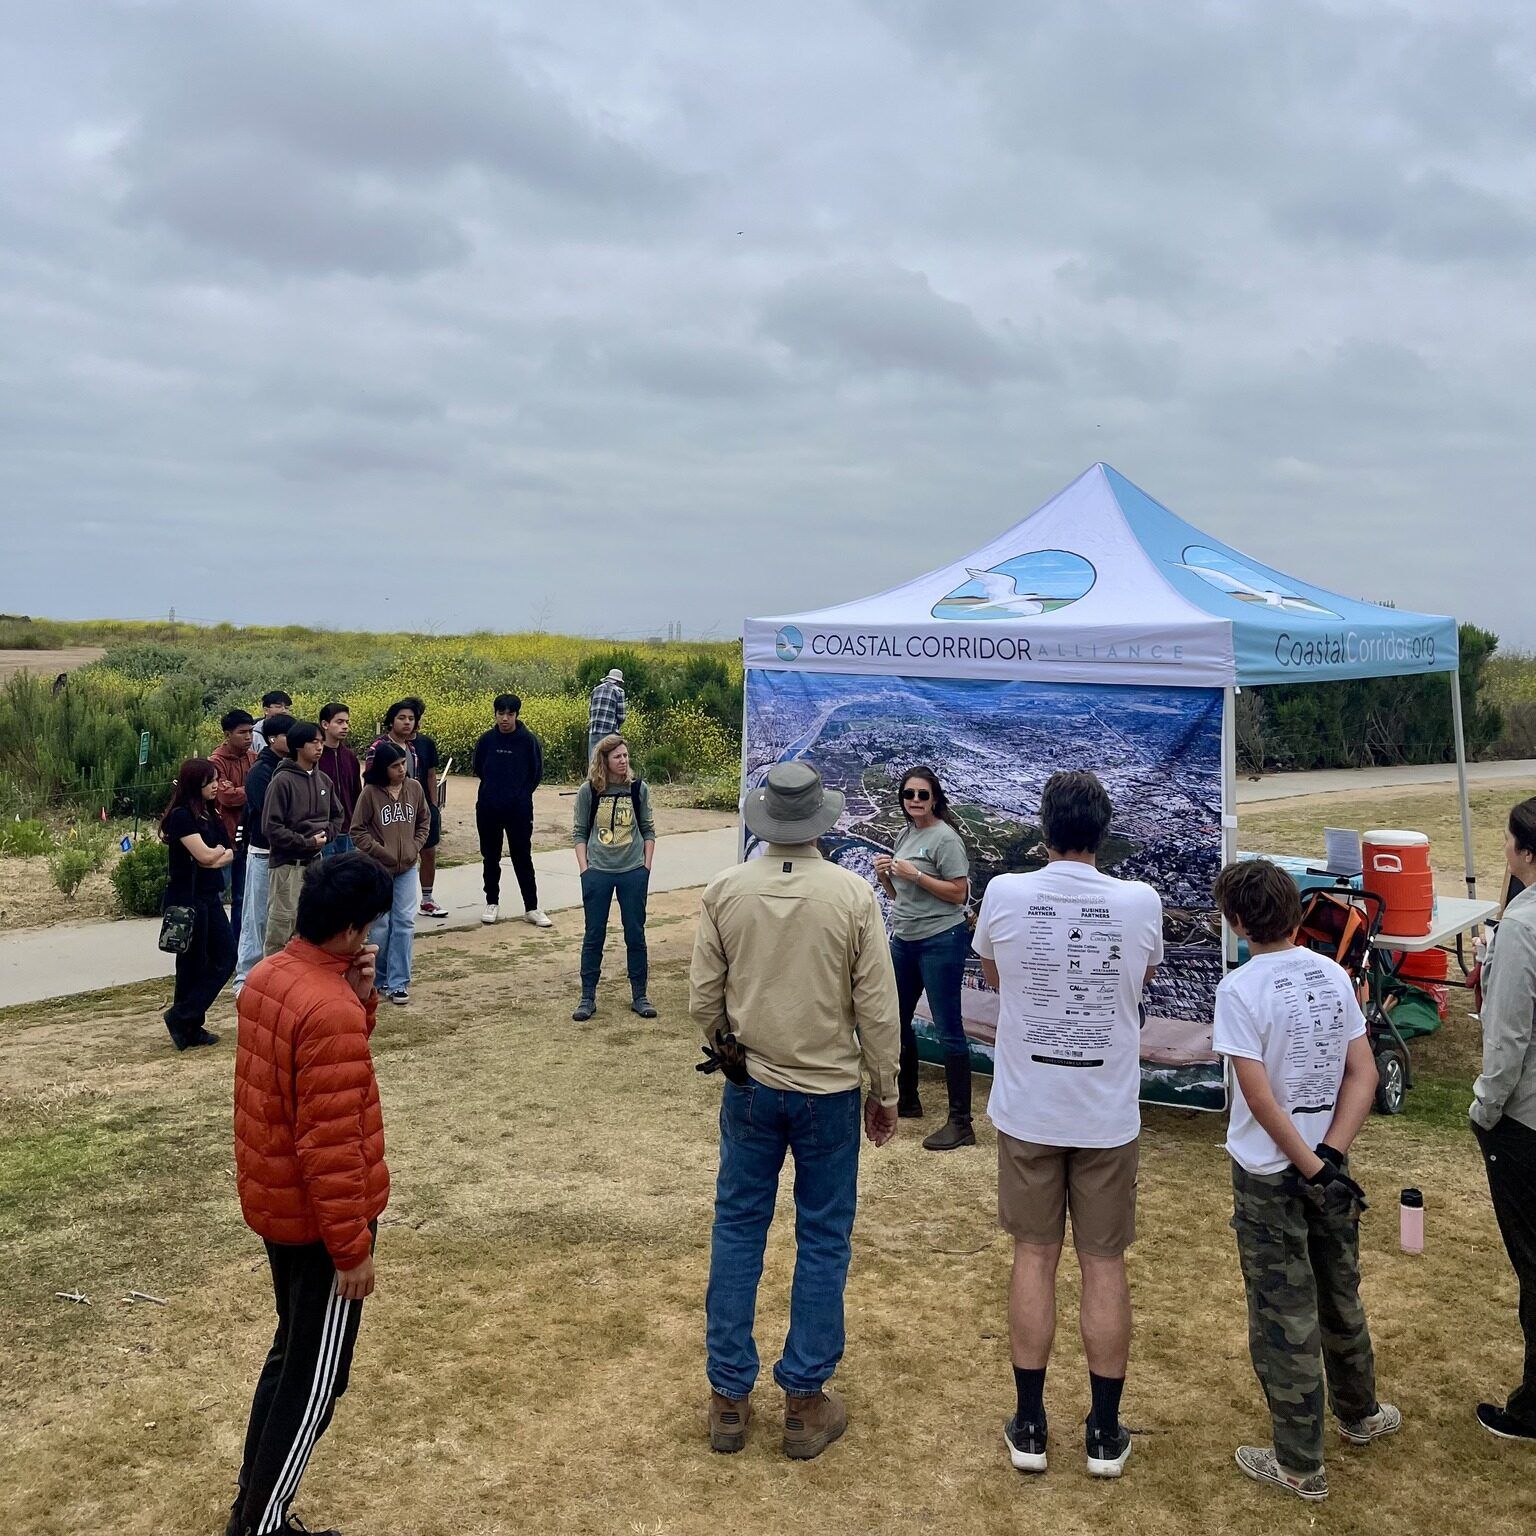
(306, 1371)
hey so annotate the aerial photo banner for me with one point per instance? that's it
(993, 745)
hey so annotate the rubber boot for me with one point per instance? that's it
(908, 1105)
(957, 1130)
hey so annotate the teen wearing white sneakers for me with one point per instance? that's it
(509, 762)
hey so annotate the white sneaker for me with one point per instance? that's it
(535, 915)
(490, 914)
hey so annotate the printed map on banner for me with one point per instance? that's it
(993, 745)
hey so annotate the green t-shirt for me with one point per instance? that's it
(938, 851)
(618, 839)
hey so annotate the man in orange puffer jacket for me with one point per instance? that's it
(309, 1161)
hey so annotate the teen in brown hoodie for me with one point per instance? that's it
(390, 824)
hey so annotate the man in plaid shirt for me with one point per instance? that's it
(607, 709)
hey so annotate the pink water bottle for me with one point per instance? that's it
(1410, 1220)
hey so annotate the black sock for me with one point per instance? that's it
(1106, 1401)
(1030, 1385)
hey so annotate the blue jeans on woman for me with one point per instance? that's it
(394, 931)
(936, 966)
(758, 1126)
(598, 888)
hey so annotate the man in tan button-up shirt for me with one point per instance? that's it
(793, 993)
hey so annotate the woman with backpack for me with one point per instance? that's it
(615, 838)
(390, 824)
(195, 928)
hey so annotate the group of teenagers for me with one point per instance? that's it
(278, 794)
(804, 997)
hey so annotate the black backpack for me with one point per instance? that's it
(634, 801)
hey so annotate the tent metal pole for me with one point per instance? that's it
(1461, 783)
(741, 794)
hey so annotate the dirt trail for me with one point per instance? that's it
(48, 663)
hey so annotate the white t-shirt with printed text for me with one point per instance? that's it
(1296, 1012)
(1072, 948)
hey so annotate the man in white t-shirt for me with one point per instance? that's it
(1070, 951)
(1290, 1024)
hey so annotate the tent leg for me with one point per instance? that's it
(1461, 782)
(1229, 803)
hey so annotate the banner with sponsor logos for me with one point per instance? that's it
(993, 744)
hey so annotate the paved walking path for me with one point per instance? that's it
(1327, 781)
(68, 958)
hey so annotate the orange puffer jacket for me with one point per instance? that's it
(309, 1132)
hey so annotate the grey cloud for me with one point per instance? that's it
(880, 317)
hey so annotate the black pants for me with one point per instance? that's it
(201, 973)
(305, 1372)
(1509, 1152)
(516, 826)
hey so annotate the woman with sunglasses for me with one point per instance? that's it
(928, 877)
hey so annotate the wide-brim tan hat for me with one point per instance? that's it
(793, 805)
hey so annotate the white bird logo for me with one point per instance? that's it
(1002, 591)
(1234, 586)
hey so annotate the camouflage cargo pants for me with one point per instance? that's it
(1300, 1252)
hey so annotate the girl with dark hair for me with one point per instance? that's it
(200, 851)
(1504, 1104)
(390, 824)
(927, 876)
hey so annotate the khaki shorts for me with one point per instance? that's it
(1037, 1185)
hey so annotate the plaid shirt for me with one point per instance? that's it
(607, 709)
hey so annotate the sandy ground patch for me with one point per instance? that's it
(533, 1358)
(48, 663)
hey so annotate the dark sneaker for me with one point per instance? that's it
(811, 1424)
(298, 1528)
(1026, 1445)
(1107, 1453)
(1387, 1420)
(909, 1109)
(1497, 1422)
(953, 1133)
(1258, 1461)
(728, 1420)
(644, 1007)
(203, 1037)
(584, 1009)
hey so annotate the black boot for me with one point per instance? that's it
(957, 1130)
(908, 1105)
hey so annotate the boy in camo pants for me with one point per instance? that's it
(1290, 1024)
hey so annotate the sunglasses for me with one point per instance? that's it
(916, 794)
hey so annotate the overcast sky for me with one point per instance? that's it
(593, 316)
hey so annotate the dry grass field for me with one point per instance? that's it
(533, 1357)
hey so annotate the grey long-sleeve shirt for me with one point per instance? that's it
(1507, 1085)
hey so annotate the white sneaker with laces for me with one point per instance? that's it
(490, 914)
(535, 915)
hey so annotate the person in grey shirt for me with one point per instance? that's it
(927, 876)
(1504, 1105)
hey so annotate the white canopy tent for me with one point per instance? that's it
(1104, 585)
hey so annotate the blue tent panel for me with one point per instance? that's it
(1283, 630)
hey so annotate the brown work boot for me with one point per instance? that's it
(728, 1420)
(812, 1423)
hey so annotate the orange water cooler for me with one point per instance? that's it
(1397, 869)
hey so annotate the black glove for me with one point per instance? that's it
(1330, 1173)
(1329, 1154)
(727, 1057)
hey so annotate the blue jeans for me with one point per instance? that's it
(340, 844)
(598, 888)
(394, 932)
(934, 966)
(757, 1126)
(253, 913)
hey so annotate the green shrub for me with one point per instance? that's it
(722, 793)
(69, 866)
(29, 839)
(139, 878)
(662, 765)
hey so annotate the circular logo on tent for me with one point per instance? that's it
(1039, 582)
(1246, 583)
(788, 643)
